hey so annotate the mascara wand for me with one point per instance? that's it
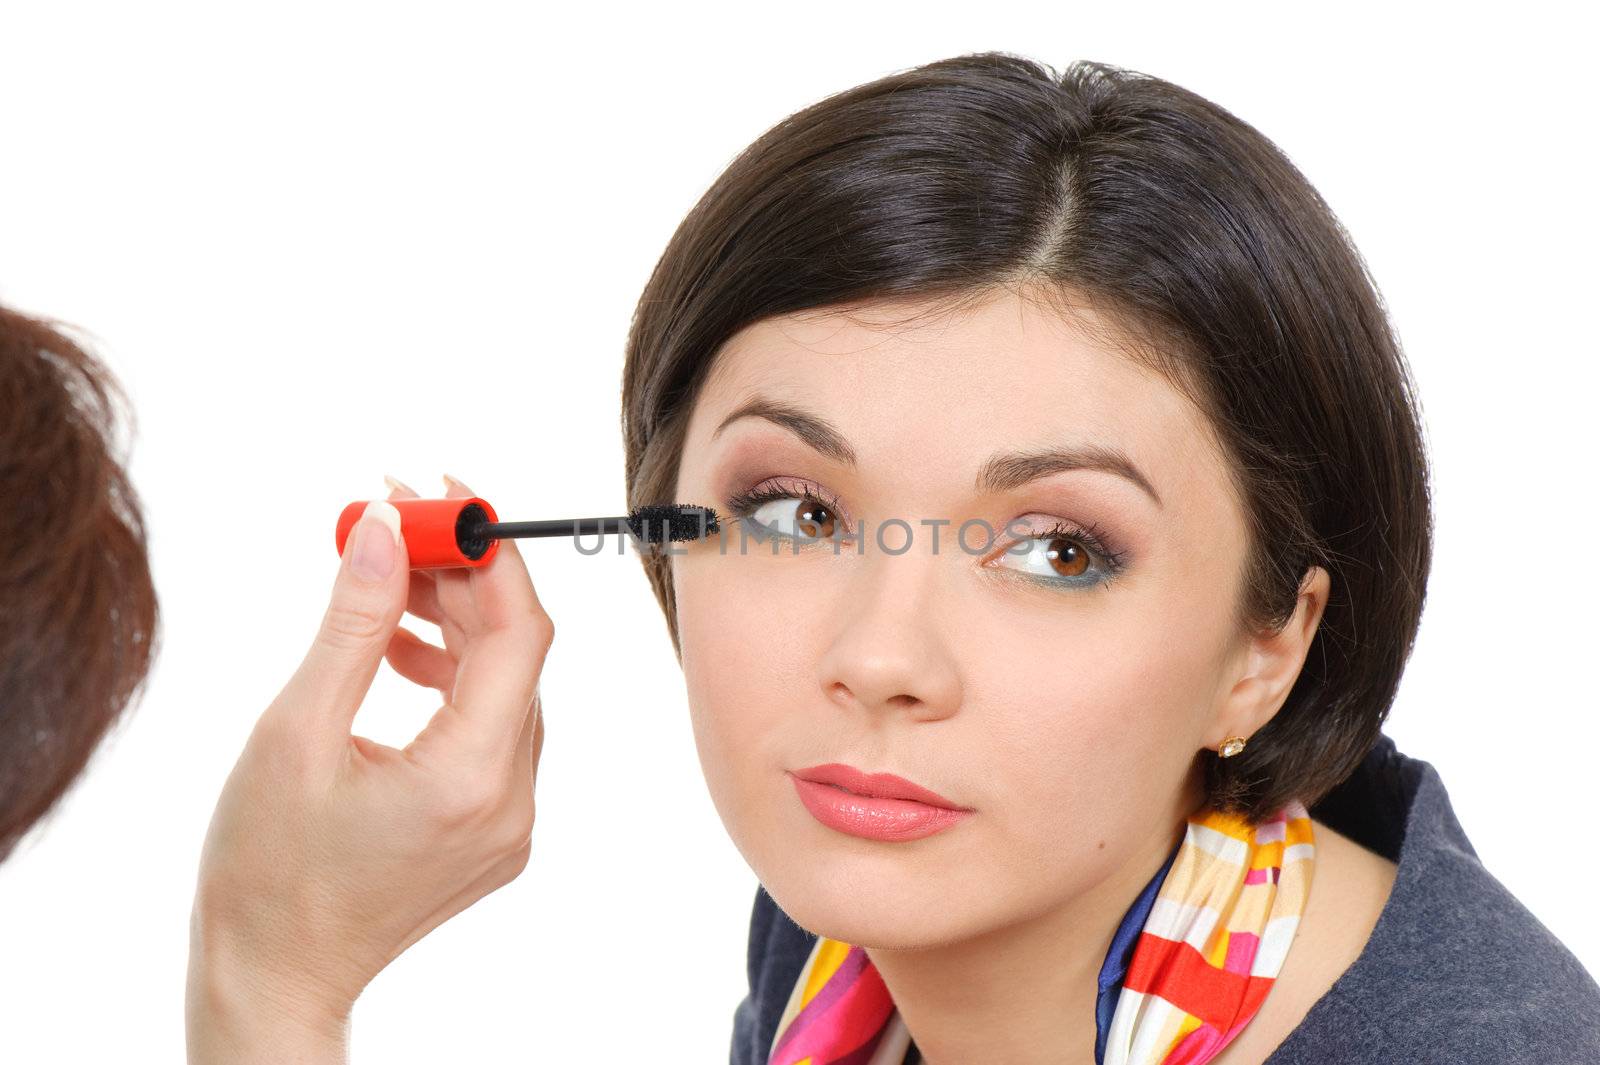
(465, 531)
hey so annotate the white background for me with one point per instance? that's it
(321, 243)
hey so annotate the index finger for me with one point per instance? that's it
(496, 595)
(508, 635)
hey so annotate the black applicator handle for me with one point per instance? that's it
(657, 523)
(502, 530)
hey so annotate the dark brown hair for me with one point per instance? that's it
(80, 621)
(1215, 261)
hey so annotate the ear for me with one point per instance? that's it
(1272, 662)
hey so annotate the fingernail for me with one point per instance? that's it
(450, 481)
(397, 485)
(377, 537)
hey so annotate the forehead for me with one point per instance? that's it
(945, 389)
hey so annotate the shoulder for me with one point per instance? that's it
(778, 949)
(1456, 969)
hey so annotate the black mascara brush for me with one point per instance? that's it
(465, 531)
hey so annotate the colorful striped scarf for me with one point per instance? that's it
(1188, 968)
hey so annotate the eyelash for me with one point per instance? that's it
(743, 504)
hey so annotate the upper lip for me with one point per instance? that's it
(875, 785)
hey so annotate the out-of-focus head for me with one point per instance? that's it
(80, 619)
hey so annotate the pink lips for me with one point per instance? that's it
(878, 806)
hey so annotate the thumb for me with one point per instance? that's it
(369, 596)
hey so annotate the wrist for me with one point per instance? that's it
(235, 1017)
(240, 1011)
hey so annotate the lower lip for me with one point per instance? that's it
(890, 820)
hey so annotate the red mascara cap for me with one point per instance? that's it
(437, 532)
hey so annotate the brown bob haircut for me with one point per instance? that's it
(80, 621)
(1214, 259)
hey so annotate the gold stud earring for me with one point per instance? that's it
(1230, 747)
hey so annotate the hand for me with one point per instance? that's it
(329, 854)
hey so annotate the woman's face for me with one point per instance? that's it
(1061, 700)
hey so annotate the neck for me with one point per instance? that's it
(1026, 992)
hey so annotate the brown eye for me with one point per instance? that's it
(1066, 557)
(814, 519)
(799, 518)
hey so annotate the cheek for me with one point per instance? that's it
(741, 661)
(1086, 733)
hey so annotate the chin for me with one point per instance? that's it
(880, 910)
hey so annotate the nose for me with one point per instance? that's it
(894, 648)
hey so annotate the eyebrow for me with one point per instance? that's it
(1004, 472)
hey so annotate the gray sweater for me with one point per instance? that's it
(1456, 971)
